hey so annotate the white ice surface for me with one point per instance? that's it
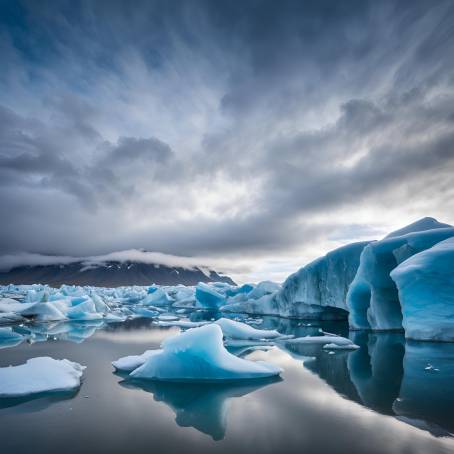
(38, 375)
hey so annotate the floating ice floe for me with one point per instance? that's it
(185, 324)
(199, 355)
(238, 330)
(168, 318)
(330, 342)
(39, 375)
(129, 363)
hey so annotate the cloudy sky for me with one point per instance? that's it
(260, 133)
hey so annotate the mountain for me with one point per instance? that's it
(112, 270)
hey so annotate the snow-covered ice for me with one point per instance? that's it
(129, 363)
(237, 330)
(337, 341)
(39, 375)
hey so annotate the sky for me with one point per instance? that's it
(256, 134)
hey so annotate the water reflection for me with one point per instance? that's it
(35, 402)
(203, 406)
(412, 381)
(409, 380)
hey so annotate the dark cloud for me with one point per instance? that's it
(254, 127)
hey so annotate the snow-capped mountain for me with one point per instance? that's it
(112, 270)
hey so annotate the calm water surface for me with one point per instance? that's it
(379, 399)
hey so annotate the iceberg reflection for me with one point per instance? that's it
(203, 406)
(412, 381)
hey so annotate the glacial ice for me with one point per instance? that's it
(199, 355)
(373, 298)
(371, 282)
(38, 375)
(318, 289)
(425, 284)
(208, 297)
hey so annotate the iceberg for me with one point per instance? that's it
(263, 288)
(238, 330)
(425, 284)
(184, 324)
(373, 297)
(319, 289)
(199, 355)
(207, 297)
(12, 305)
(39, 375)
(326, 341)
(129, 363)
(44, 312)
(9, 338)
(159, 297)
(316, 291)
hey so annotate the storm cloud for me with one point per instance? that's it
(266, 130)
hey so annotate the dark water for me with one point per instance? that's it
(379, 399)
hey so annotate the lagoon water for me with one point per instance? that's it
(386, 397)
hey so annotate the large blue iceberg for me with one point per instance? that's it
(373, 299)
(425, 283)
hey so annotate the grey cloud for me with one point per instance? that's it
(221, 127)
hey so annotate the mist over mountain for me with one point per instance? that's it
(134, 267)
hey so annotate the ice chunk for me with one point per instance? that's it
(12, 305)
(244, 289)
(145, 312)
(373, 298)
(197, 355)
(9, 338)
(129, 363)
(208, 297)
(238, 330)
(325, 340)
(425, 284)
(185, 324)
(332, 346)
(263, 288)
(44, 312)
(7, 318)
(112, 317)
(157, 298)
(168, 318)
(38, 375)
